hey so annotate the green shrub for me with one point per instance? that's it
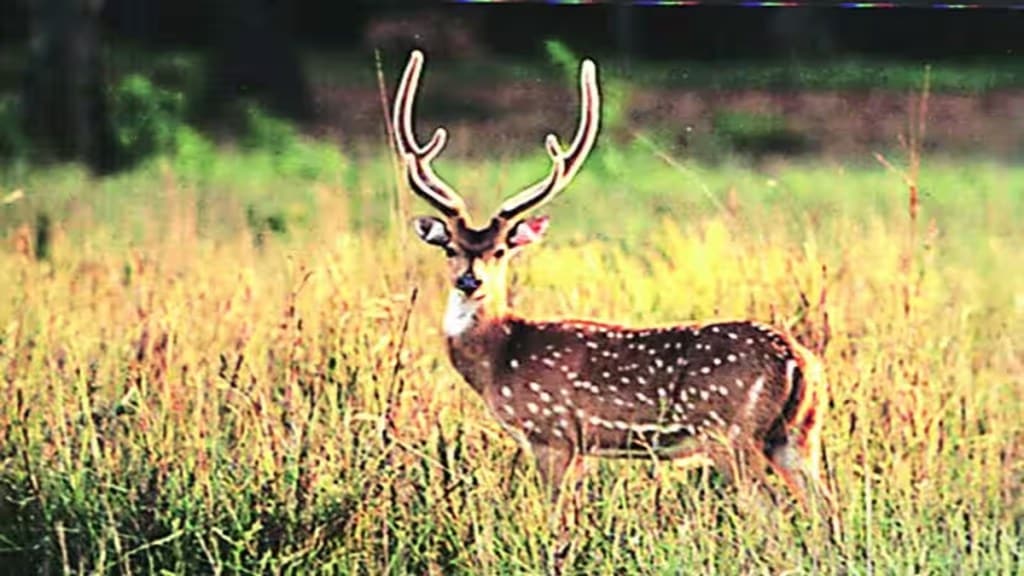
(194, 155)
(758, 134)
(146, 117)
(290, 153)
(268, 133)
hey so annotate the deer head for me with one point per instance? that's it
(478, 257)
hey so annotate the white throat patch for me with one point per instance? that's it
(460, 313)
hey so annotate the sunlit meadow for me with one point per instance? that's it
(233, 363)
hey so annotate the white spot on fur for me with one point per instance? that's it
(753, 396)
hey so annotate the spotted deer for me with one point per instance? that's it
(573, 388)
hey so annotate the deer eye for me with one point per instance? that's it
(449, 252)
(499, 253)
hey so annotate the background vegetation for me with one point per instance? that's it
(228, 359)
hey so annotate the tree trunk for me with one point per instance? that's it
(625, 40)
(253, 57)
(64, 101)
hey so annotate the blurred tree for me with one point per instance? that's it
(623, 24)
(64, 103)
(803, 31)
(253, 56)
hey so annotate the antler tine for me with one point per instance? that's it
(566, 163)
(422, 179)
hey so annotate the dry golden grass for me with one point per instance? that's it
(199, 402)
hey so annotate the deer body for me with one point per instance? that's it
(586, 388)
(573, 388)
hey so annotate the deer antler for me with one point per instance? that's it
(417, 158)
(566, 163)
(425, 183)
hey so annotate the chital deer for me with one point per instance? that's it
(573, 388)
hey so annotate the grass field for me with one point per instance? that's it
(231, 362)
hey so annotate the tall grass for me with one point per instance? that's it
(190, 389)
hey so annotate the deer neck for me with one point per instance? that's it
(467, 318)
(477, 331)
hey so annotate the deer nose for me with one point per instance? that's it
(467, 283)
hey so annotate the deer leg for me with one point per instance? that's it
(797, 463)
(787, 462)
(729, 462)
(750, 464)
(798, 460)
(552, 464)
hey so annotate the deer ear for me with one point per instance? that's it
(432, 230)
(528, 231)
